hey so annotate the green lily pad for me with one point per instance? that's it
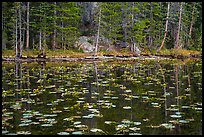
(63, 133)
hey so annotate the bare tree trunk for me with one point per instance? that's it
(99, 21)
(133, 44)
(33, 42)
(54, 34)
(27, 30)
(124, 23)
(20, 42)
(192, 21)
(151, 20)
(44, 43)
(16, 33)
(179, 27)
(40, 40)
(166, 28)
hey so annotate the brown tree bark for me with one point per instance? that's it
(166, 28)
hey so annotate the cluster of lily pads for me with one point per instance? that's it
(100, 98)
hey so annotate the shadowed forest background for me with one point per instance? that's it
(57, 26)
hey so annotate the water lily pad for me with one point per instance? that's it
(69, 129)
(168, 126)
(96, 130)
(4, 131)
(175, 116)
(134, 128)
(23, 124)
(183, 121)
(77, 122)
(63, 133)
(11, 134)
(110, 122)
(135, 134)
(23, 132)
(127, 107)
(137, 123)
(47, 125)
(77, 133)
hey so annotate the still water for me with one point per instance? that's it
(140, 97)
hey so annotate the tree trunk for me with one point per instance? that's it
(33, 42)
(191, 26)
(150, 33)
(17, 33)
(166, 28)
(124, 23)
(97, 39)
(44, 43)
(54, 34)
(132, 25)
(179, 27)
(27, 30)
(20, 42)
(40, 40)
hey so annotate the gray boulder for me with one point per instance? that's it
(137, 51)
(84, 44)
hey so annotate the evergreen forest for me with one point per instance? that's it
(57, 26)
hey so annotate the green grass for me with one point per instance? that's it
(73, 53)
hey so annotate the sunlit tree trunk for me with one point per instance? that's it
(192, 22)
(132, 24)
(54, 34)
(166, 28)
(40, 40)
(17, 33)
(27, 30)
(151, 21)
(124, 23)
(97, 39)
(179, 27)
(20, 36)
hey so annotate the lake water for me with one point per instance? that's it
(141, 97)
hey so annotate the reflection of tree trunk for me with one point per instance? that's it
(28, 87)
(40, 41)
(96, 75)
(160, 67)
(177, 87)
(177, 93)
(18, 76)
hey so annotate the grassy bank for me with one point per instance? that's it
(78, 54)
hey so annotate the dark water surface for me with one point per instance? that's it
(137, 98)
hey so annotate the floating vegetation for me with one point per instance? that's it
(127, 107)
(117, 98)
(23, 133)
(77, 133)
(110, 122)
(63, 133)
(96, 130)
(175, 116)
(47, 125)
(168, 126)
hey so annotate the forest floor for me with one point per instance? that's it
(71, 55)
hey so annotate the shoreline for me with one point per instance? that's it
(94, 58)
